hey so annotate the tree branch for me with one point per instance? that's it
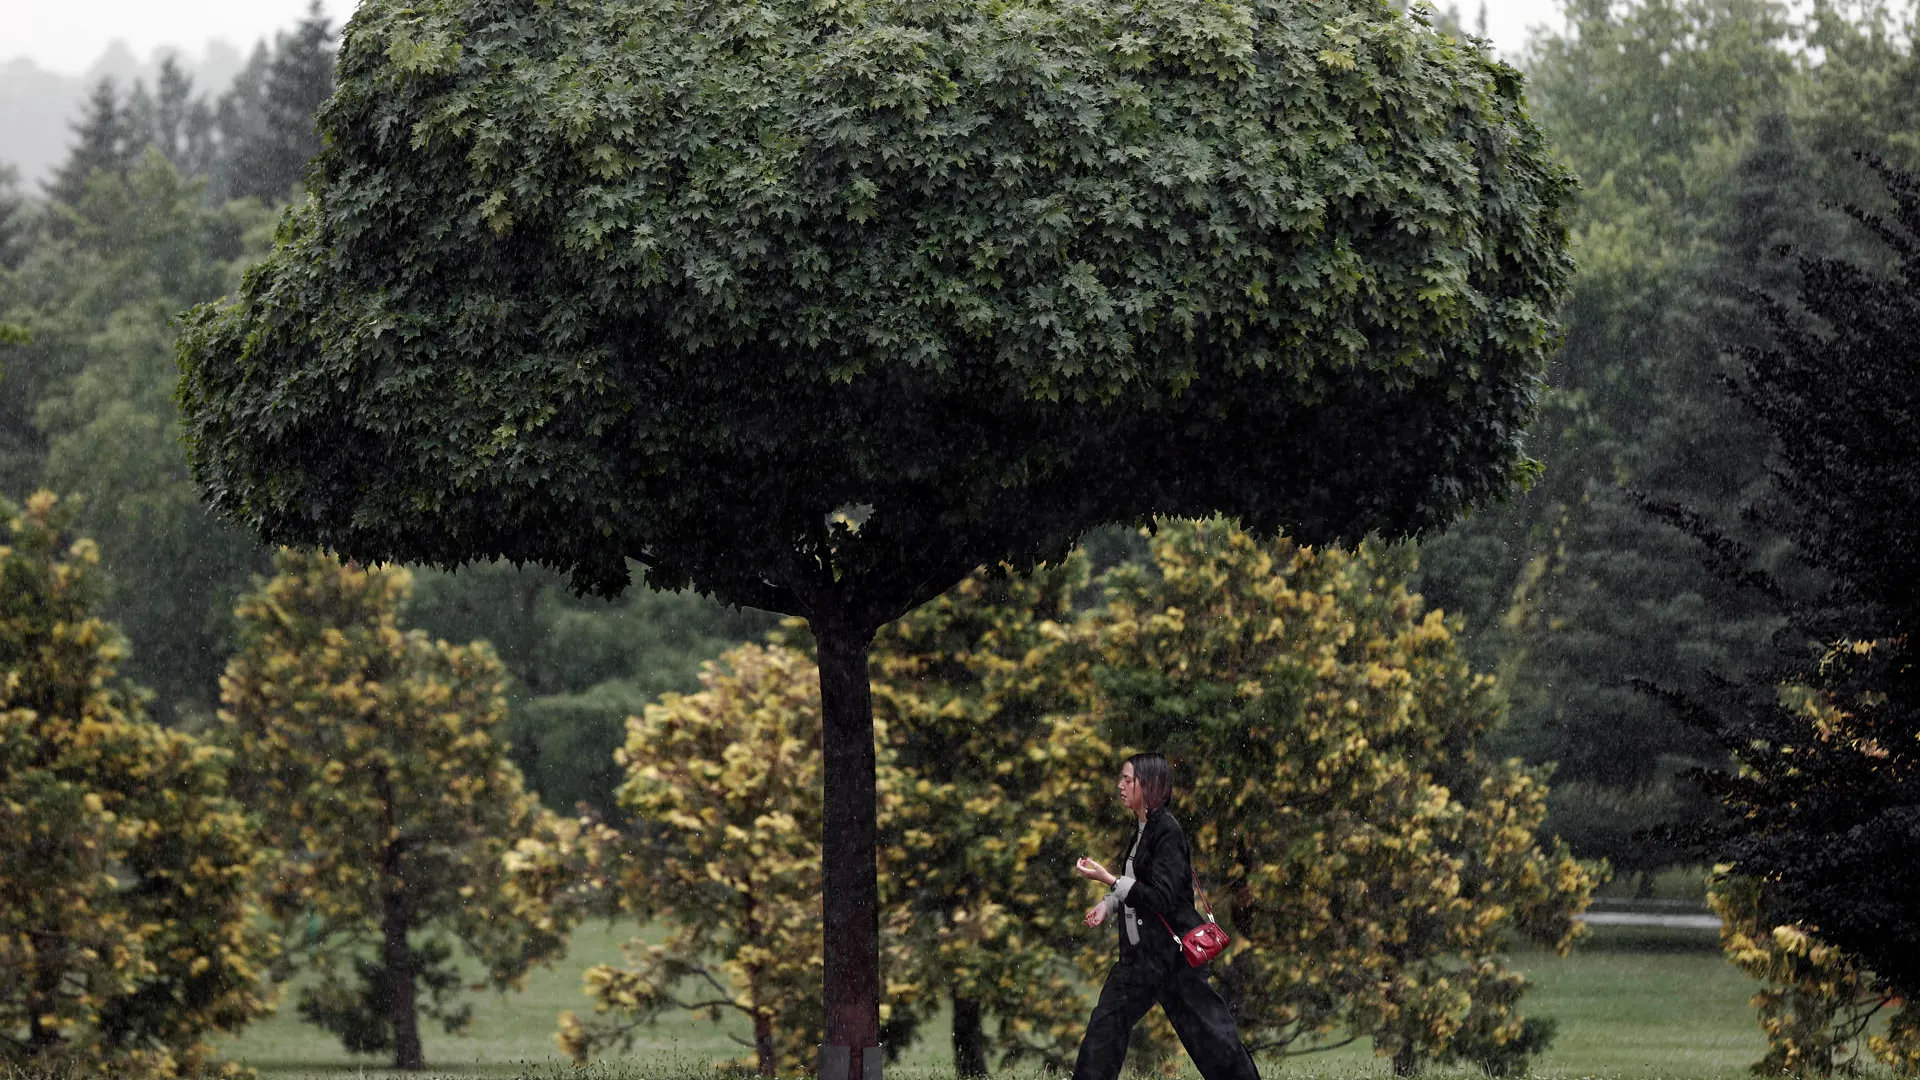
(1348, 1041)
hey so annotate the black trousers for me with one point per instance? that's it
(1150, 974)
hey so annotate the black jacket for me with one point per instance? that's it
(1162, 878)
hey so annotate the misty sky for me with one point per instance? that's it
(68, 35)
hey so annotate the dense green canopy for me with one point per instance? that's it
(779, 294)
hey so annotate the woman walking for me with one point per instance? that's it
(1152, 900)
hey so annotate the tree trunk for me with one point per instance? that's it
(763, 1052)
(396, 953)
(850, 884)
(763, 1044)
(44, 998)
(969, 1040)
(397, 956)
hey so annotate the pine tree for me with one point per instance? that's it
(181, 124)
(104, 142)
(239, 120)
(1675, 114)
(97, 418)
(1633, 601)
(13, 219)
(1820, 809)
(267, 118)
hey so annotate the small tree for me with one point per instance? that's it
(128, 926)
(1368, 855)
(726, 786)
(105, 140)
(999, 780)
(819, 307)
(368, 754)
(1350, 831)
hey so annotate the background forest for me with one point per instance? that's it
(1710, 136)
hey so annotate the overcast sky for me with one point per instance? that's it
(69, 35)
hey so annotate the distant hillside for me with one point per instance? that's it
(38, 107)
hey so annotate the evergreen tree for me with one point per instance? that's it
(1820, 810)
(115, 131)
(13, 223)
(1572, 589)
(105, 141)
(181, 123)
(96, 389)
(239, 120)
(268, 117)
(1634, 603)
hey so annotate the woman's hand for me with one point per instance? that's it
(1097, 914)
(1091, 870)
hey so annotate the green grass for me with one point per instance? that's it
(1632, 1003)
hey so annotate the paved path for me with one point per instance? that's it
(1650, 918)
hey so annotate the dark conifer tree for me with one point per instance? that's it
(1824, 807)
(103, 140)
(1572, 591)
(239, 121)
(1623, 598)
(267, 118)
(140, 122)
(1653, 612)
(13, 219)
(181, 126)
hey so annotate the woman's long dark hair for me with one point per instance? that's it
(1154, 776)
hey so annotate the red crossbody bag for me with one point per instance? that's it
(1203, 942)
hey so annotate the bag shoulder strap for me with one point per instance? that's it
(1203, 898)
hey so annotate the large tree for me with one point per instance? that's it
(1822, 808)
(1669, 111)
(817, 308)
(265, 119)
(89, 411)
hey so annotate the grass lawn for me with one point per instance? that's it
(1632, 1003)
